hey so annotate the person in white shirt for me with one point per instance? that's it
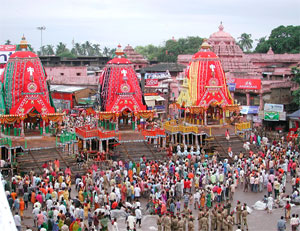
(62, 207)
(112, 196)
(35, 211)
(137, 192)
(49, 204)
(197, 199)
(131, 222)
(115, 225)
(17, 219)
(294, 223)
(138, 215)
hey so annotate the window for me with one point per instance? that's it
(62, 74)
(78, 74)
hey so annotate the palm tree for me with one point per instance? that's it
(245, 42)
(48, 50)
(88, 48)
(7, 42)
(97, 49)
(106, 51)
(61, 48)
(77, 49)
(43, 51)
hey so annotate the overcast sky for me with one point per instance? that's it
(139, 22)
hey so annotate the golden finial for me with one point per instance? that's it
(23, 43)
(205, 45)
(119, 51)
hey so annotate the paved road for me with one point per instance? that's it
(257, 220)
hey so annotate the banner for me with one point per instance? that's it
(273, 107)
(248, 84)
(5, 52)
(151, 82)
(271, 116)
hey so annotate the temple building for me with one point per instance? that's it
(135, 58)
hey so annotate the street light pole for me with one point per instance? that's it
(41, 28)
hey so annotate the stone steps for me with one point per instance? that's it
(36, 158)
(135, 150)
(220, 144)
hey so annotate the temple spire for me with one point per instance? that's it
(221, 27)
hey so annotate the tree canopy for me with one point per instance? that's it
(79, 49)
(296, 78)
(171, 48)
(283, 39)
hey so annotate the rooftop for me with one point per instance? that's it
(162, 67)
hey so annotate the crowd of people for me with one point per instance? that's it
(185, 192)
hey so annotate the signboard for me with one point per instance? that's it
(158, 75)
(5, 52)
(256, 119)
(271, 116)
(249, 110)
(282, 116)
(273, 107)
(231, 86)
(151, 82)
(248, 84)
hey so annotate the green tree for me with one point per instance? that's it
(77, 49)
(106, 51)
(296, 72)
(7, 42)
(171, 49)
(86, 49)
(47, 50)
(245, 42)
(66, 54)
(112, 52)
(61, 48)
(262, 46)
(97, 50)
(150, 51)
(283, 39)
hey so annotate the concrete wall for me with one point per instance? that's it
(71, 76)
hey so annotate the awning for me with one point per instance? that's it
(154, 97)
(249, 110)
(295, 115)
(150, 99)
